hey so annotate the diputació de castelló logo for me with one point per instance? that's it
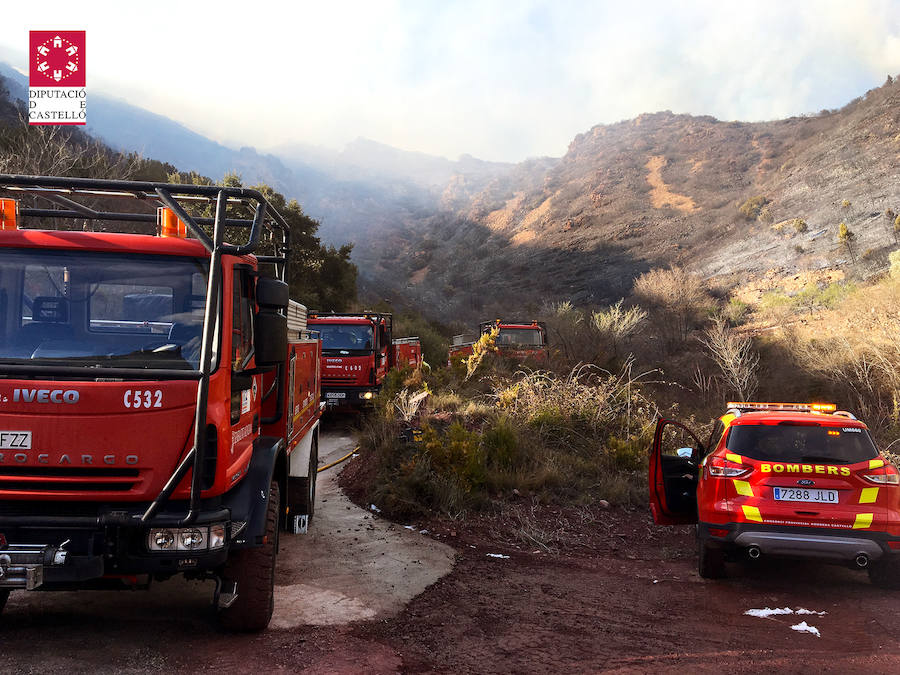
(56, 77)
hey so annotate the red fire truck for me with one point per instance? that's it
(407, 353)
(520, 340)
(357, 352)
(160, 394)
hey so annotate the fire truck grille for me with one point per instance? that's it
(50, 479)
(338, 379)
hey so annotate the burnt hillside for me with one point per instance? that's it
(657, 190)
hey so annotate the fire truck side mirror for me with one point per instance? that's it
(272, 293)
(270, 336)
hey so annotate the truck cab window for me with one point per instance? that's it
(242, 320)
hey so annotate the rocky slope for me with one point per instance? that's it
(657, 190)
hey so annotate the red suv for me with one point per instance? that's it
(781, 480)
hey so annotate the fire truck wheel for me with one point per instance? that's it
(885, 573)
(711, 561)
(254, 571)
(4, 596)
(308, 485)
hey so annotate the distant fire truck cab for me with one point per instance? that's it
(519, 340)
(358, 350)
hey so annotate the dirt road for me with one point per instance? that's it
(616, 594)
(351, 566)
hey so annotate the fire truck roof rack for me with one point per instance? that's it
(406, 340)
(61, 190)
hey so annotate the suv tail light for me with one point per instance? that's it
(720, 467)
(886, 475)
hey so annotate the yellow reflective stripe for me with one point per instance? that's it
(868, 495)
(876, 463)
(742, 487)
(863, 521)
(752, 513)
(731, 457)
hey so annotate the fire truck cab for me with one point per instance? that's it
(519, 340)
(780, 480)
(160, 394)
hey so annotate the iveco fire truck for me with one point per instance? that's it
(358, 350)
(159, 394)
(520, 340)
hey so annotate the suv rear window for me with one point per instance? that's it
(801, 443)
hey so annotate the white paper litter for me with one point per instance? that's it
(375, 508)
(497, 555)
(766, 613)
(804, 627)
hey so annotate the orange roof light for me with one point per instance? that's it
(169, 225)
(797, 407)
(9, 212)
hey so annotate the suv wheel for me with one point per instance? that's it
(885, 573)
(710, 561)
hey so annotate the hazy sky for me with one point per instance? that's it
(501, 80)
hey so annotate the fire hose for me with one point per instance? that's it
(335, 463)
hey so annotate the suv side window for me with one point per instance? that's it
(715, 436)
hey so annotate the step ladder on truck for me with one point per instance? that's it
(160, 393)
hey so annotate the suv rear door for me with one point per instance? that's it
(674, 456)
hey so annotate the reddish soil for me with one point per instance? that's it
(615, 593)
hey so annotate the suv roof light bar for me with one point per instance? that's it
(746, 406)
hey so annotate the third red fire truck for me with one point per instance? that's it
(520, 340)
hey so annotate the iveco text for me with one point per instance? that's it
(45, 395)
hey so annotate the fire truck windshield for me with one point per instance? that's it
(101, 309)
(340, 337)
(520, 336)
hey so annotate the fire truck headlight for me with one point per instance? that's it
(161, 540)
(217, 536)
(368, 395)
(192, 538)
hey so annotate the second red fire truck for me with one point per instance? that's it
(358, 350)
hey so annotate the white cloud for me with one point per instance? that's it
(500, 80)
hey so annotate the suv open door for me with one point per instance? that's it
(674, 457)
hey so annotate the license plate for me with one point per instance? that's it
(806, 495)
(15, 440)
(335, 394)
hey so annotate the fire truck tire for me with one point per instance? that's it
(885, 574)
(254, 571)
(710, 561)
(308, 484)
(4, 596)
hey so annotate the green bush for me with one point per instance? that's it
(751, 208)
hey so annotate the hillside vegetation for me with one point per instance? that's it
(491, 435)
(718, 198)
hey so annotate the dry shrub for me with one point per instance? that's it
(679, 297)
(860, 354)
(616, 323)
(734, 355)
